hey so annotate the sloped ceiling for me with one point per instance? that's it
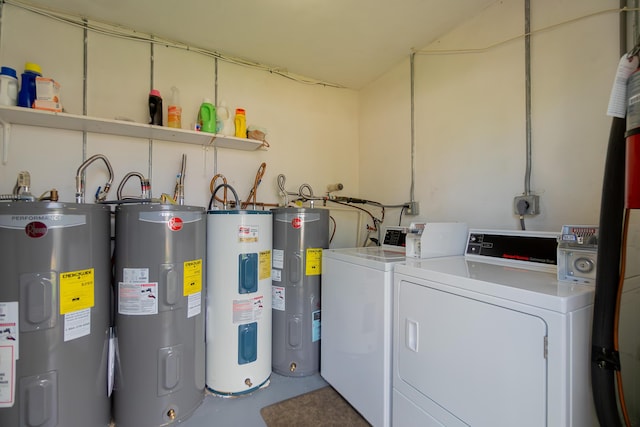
(344, 42)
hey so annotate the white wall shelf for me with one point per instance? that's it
(48, 119)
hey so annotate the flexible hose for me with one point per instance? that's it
(213, 194)
(608, 277)
(212, 186)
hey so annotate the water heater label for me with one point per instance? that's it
(278, 258)
(136, 295)
(9, 325)
(77, 324)
(7, 375)
(248, 233)
(278, 298)
(192, 277)
(248, 310)
(194, 304)
(313, 262)
(76, 290)
(192, 286)
(264, 260)
(315, 326)
(276, 275)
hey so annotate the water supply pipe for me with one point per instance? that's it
(145, 185)
(101, 194)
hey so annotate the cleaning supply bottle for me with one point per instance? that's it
(27, 93)
(174, 111)
(8, 86)
(207, 116)
(155, 108)
(240, 123)
(224, 120)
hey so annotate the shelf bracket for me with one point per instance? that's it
(6, 136)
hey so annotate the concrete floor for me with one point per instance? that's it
(244, 411)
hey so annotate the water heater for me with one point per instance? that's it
(54, 314)
(159, 276)
(299, 235)
(238, 300)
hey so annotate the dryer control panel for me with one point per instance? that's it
(520, 247)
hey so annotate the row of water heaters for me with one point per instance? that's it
(194, 300)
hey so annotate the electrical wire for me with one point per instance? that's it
(521, 36)
(616, 320)
(132, 35)
(335, 227)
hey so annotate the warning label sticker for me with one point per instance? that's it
(9, 325)
(248, 310)
(194, 304)
(192, 277)
(77, 324)
(138, 299)
(278, 298)
(76, 290)
(7, 376)
(313, 262)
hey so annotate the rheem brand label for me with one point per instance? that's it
(36, 229)
(175, 224)
(296, 222)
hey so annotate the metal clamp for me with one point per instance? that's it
(605, 358)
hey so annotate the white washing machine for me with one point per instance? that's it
(492, 338)
(357, 305)
(356, 345)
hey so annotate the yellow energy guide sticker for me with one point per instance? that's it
(264, 262)
(314, 262)
(192, 280)
(76, 290)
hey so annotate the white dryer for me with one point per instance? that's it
(492, 338)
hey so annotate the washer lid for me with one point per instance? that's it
(536, 288)
(373, 256)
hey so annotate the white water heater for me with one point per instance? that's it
(238, 324)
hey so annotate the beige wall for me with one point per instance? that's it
(469, 115)
(470, 118)
(312, 130)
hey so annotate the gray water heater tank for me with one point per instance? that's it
(54, 314)
(159, 289)
(299, 235)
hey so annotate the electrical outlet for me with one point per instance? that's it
(526, 205)
(413, 208)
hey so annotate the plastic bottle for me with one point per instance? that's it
(155, 108)
(8, 86)
(240, 123)
(224, 124)
(27, 93)
(207, 116)
(174, 111)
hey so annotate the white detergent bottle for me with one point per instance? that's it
(8, 86)
(224, 123)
